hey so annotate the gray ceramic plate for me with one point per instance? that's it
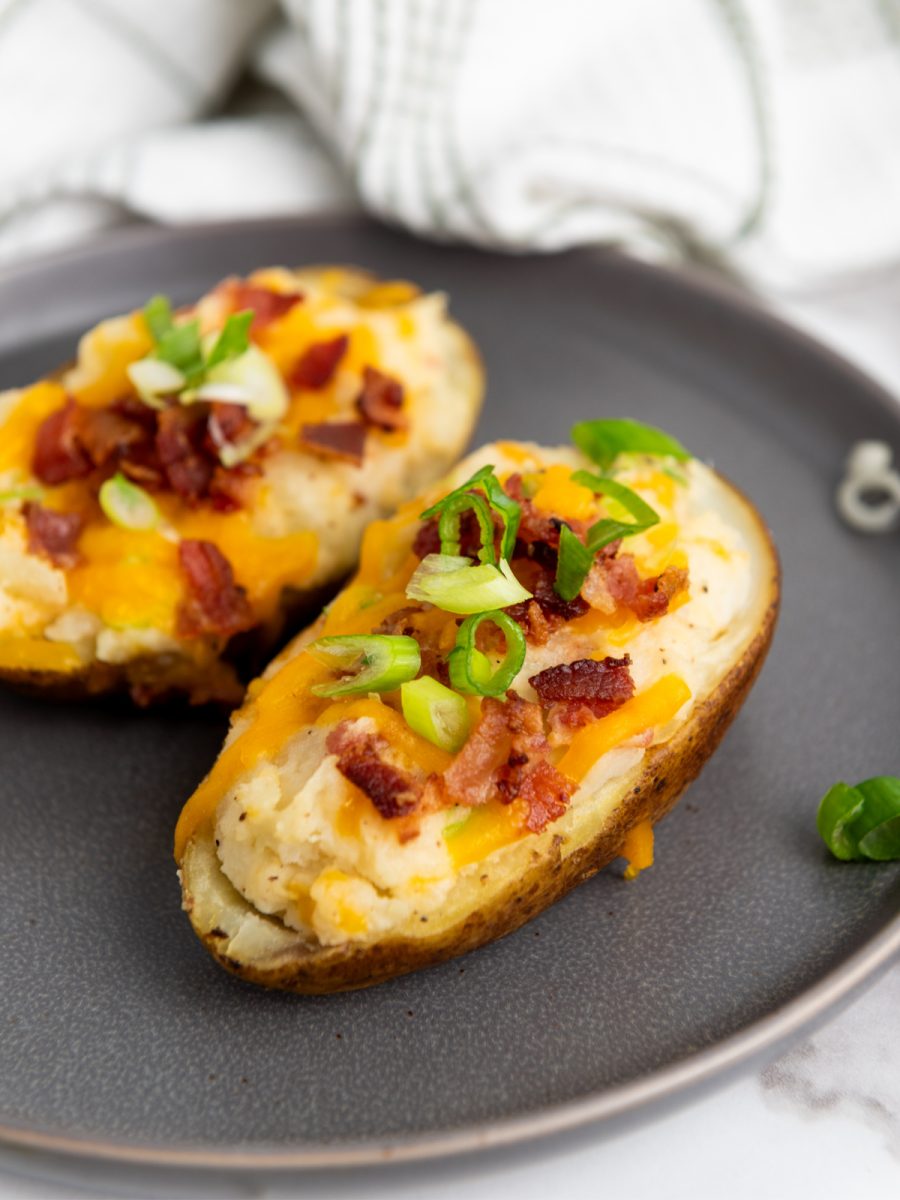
(119, 1036)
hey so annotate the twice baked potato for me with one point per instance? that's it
(518, 683)
(196, 475)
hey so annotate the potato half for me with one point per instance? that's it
(376, 392)
(293, 880)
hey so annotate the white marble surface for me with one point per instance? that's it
(822, 1121)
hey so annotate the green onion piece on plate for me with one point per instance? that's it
(862, 822)
(371, 662)
(603, 441)
(128, 505)
(457, 585)
(436, 712)
(575, 558)
(470, 670)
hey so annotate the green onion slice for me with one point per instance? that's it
(128, 505)
(603, 441)
(862, 822)
(27, 491)
(435, 712)
(374, 662)
(470, 670)
(575, 557)
(506, 508)
(448, 525)
(457, 585)
(234, 339)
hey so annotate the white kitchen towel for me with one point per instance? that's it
(764, 132)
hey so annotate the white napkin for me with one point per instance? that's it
(763, 131)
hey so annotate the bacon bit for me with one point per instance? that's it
(345, 440)
(538, 578)
(535, 625)
(391, 790)
(179, 444)
(602, 685)
(228, 486)
(52, 534)
(646, 598)
(428, 540)
(507, 755)
(58, 453)
(381, 400)
(546, 793)
(107, 434)
(227, 423)
(267, 305)
(214, 604)
(411, 621)
(316, 366)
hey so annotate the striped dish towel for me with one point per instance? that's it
(761, 132)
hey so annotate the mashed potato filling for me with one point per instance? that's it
(301, 843)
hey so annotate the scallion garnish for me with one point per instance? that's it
(470, 669)
(575, 558)
(28, 491)
(509, 512)
(862, 822)
(371, 662)
(604, 440)
(436, 712)
(127, 505)
(449, 522)
(457, 585)
(182, 347)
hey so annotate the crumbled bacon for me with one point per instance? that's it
(214, 604)
(507, 756)
(108, 434)
(603, 684)
(428, 541)
(538, 578)
(361, 760)
(577, 693)
(52, 534)
(58, 453)
(647, 598)
(316, 366)
(267, 305)
(228, 487)
(228, 423)
(179, 444)
(380, 402)
(345, 440)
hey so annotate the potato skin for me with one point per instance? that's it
(667, 771)
(150, 679)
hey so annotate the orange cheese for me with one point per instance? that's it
(487, 828)
(638, 849)
(560, 495)
(38, 654)
(394, 729)
(20, 427)
(104, 355)
(654, 706)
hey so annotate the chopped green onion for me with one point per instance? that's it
(158, 316)
(374, 662)
(575, 558)
(470, 670)
(435, 712)
(181, 346)
(456, 585)
(252, 379)
(862, 822)
(572, 565)
(603, 441)
(448, 525)
(506, 508)
(154, 379)
(128, 505)
(233, 340)
(28, 491)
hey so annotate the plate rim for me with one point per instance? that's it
(768, 1034)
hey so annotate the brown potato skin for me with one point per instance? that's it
(668, 769)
